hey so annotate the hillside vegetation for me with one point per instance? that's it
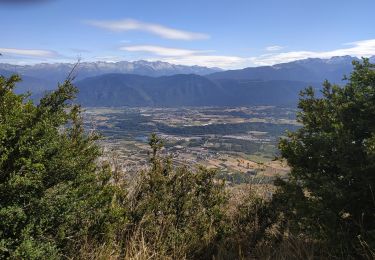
(59, 199)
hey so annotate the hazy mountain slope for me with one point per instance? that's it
(269, 85)
(259, 92)
(135, 90)
(34, 85)
(113, 90)
(5, 73)
(184, 90)
(187, 90)
(310, 70)
(30, 84)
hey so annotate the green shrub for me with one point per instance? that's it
(53, 194)
(330, 191)
(177, 210)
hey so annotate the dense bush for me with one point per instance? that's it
(54, 196)
(178, 211)
(330, 193)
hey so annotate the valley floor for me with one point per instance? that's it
(240, 142)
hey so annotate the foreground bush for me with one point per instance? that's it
(53, 194)
(330, 193)
(177, 211)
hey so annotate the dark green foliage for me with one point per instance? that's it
(179, 211)
(53, 194)
(330, 194)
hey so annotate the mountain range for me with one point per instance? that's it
(143, 83)
(47, 75)
(185, 90)
(312, 69)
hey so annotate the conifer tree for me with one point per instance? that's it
(331, 190)
(53, 194)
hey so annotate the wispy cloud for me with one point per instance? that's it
(364, 48)
(187, 56)
(274, 48)
(28, 52)
(221, 61)
(157, 29)
(162, 51)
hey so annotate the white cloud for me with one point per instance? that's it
(221, 61)
(157, 29)
(161, 51)
(28, 52)
(187, 56)
(364, 48)
(274, 48)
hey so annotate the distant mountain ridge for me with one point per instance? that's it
(279, 84)
(138, 90)
(51, 73)
(267, 85)
(89, 69)
(312, 69)
(184, 90)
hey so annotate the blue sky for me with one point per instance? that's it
(227, 34)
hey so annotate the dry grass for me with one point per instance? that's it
(138, 249)
(289, 249)
(100, 252)
(138, 246)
